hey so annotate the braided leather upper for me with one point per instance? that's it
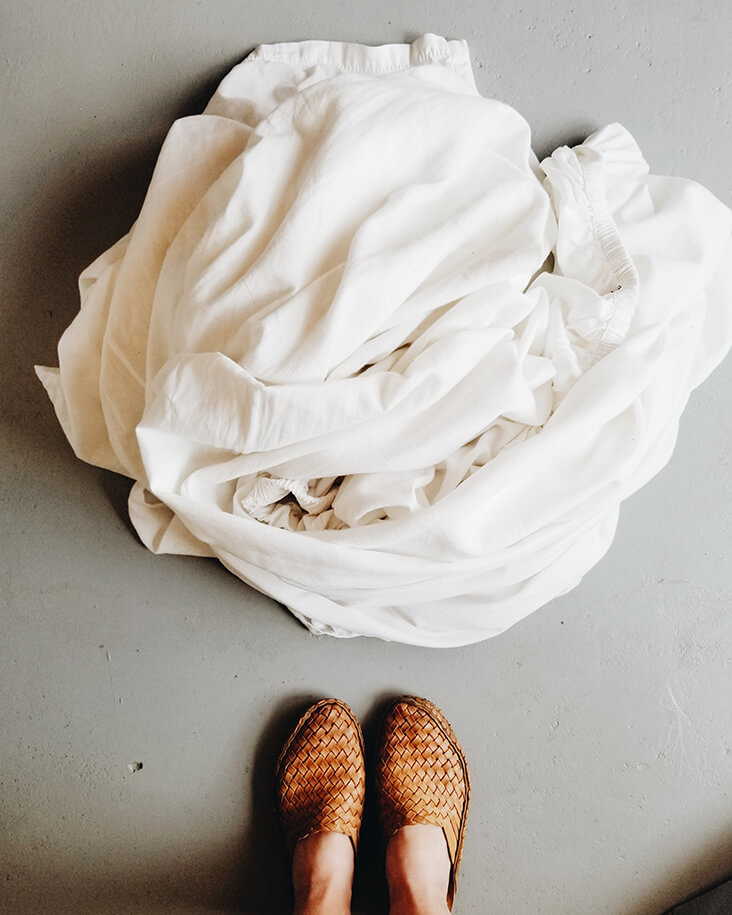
(422, 775)
(320, 774)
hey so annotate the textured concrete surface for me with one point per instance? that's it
(598, 730)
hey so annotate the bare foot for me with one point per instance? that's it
(322, 874)
(418, 871)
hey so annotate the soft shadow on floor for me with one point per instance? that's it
(265, 884)
(249, 874)
(707, 867)
(369, 890)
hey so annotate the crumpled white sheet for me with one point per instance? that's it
(367, 351)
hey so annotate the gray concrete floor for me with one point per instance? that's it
(598, 730)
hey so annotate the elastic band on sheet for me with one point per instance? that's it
(361, 58)
(584, 168)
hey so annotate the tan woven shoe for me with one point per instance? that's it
(422, 776)
(320, 774)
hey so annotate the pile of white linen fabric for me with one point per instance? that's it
(365, 350)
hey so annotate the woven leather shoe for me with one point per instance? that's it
(320, 774)
(422, 776)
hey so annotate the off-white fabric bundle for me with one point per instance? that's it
(367, 351)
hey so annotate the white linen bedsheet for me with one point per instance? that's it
(365, 349)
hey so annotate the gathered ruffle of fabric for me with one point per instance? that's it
(365, 349)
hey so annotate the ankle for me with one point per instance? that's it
(322, 875)
(418, 871)
(405, 901)
(323, 899)
(416, 905)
